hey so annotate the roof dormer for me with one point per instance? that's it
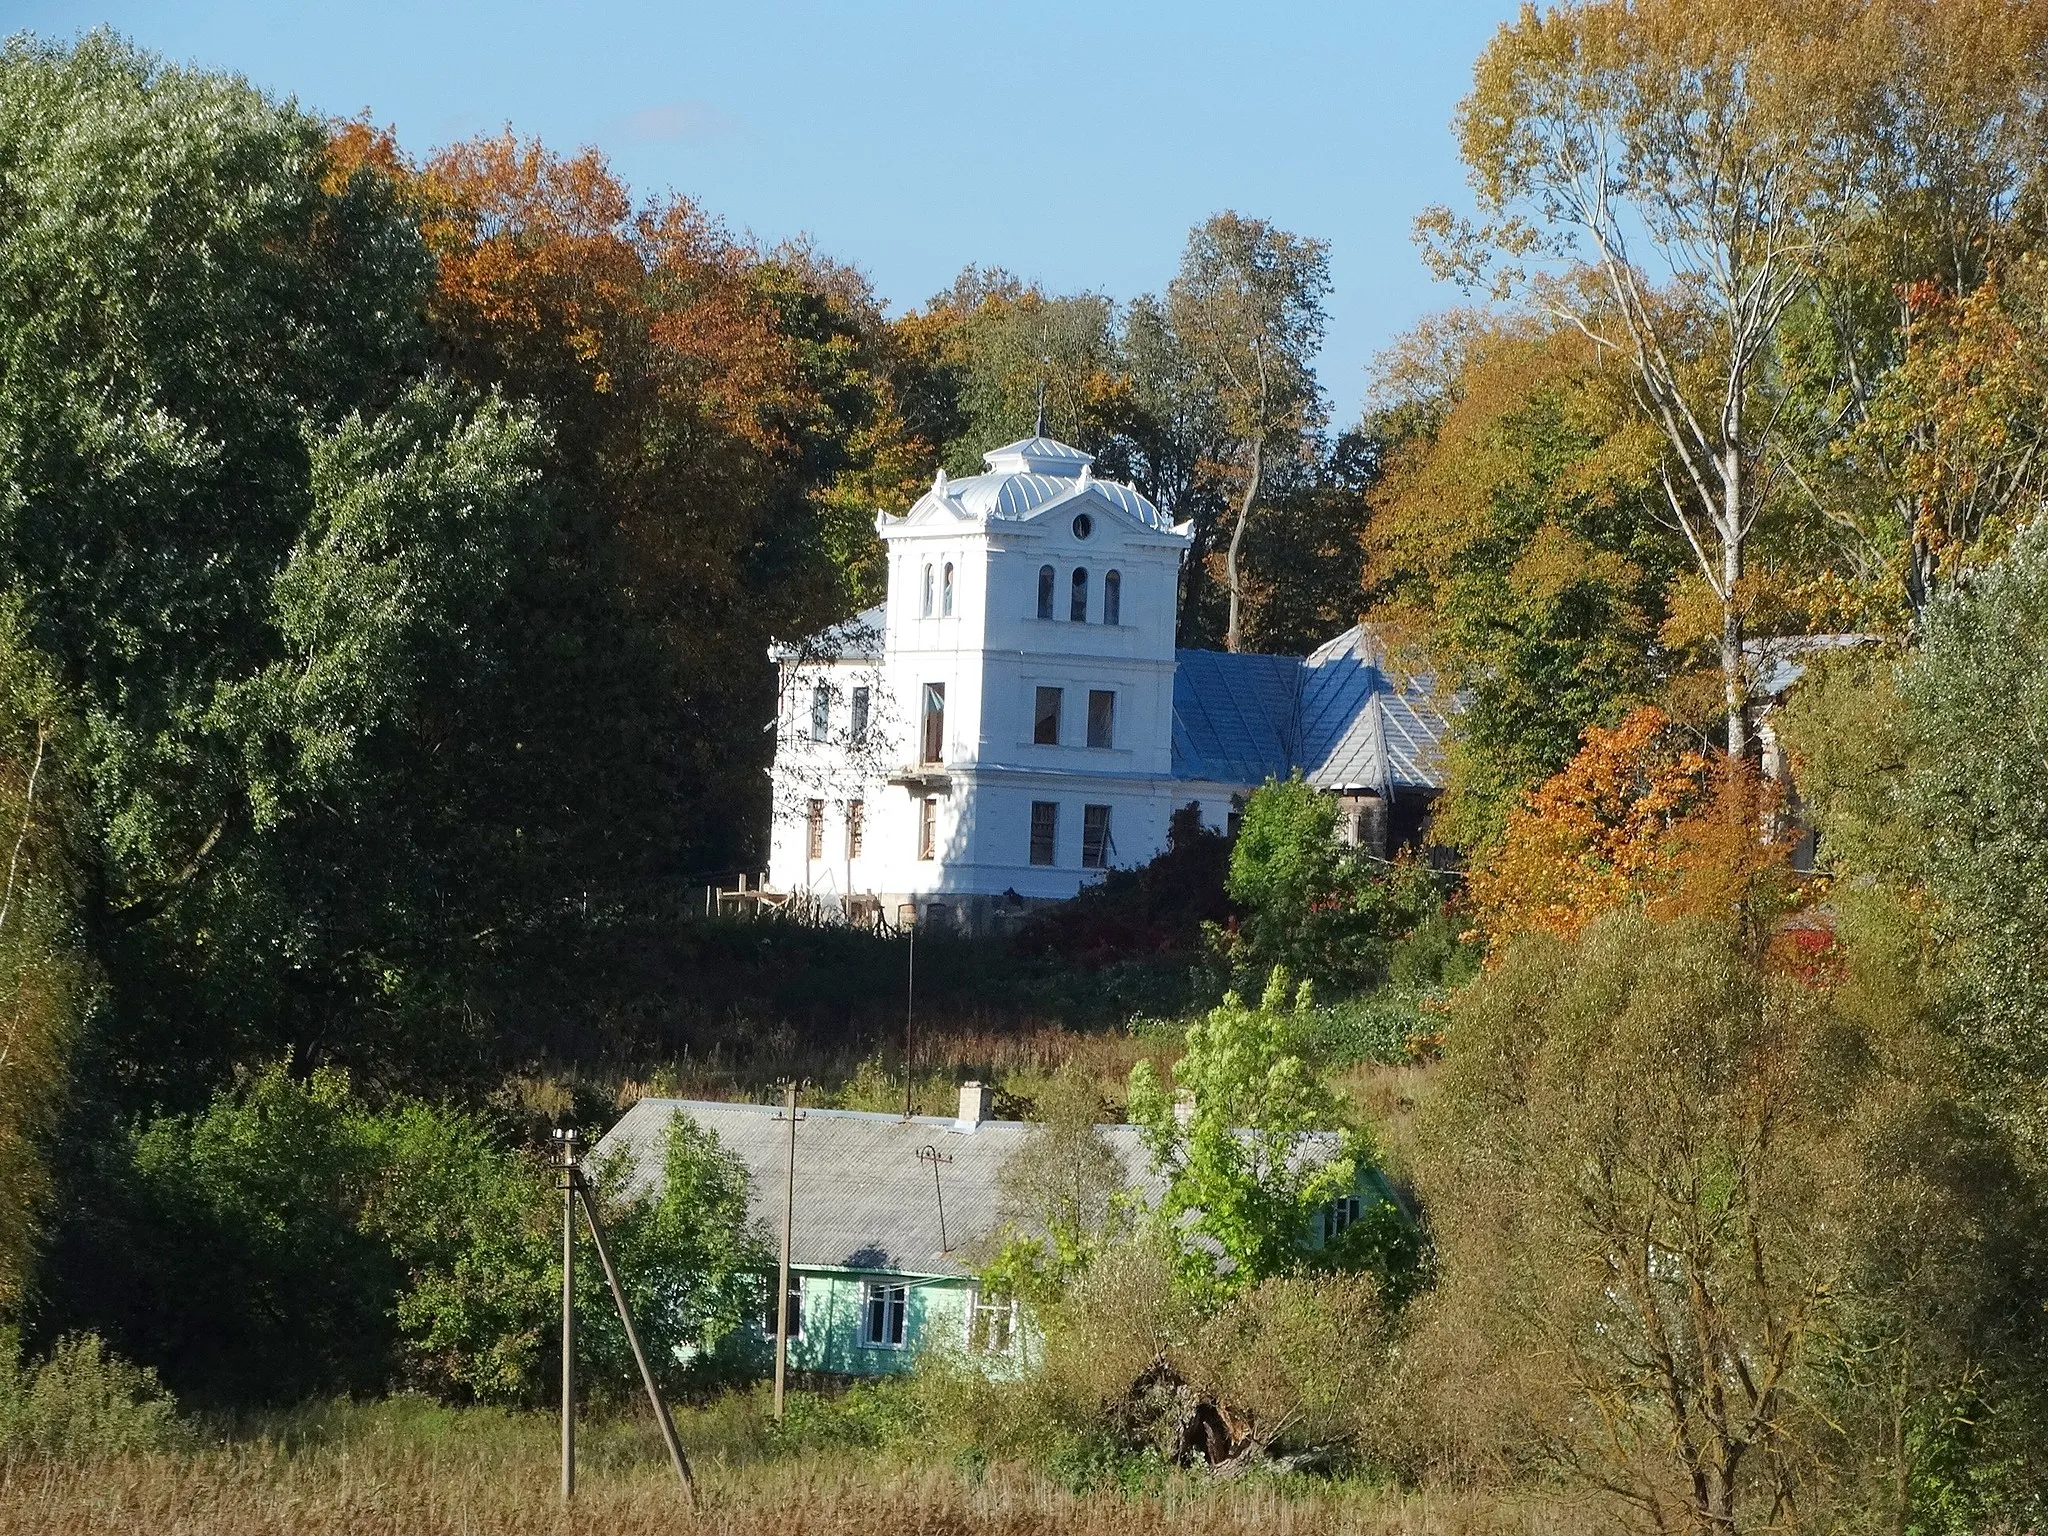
(1038, 456)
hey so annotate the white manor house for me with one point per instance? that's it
(1014, 719)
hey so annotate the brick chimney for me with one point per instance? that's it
(976, 1101)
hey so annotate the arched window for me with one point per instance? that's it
(1045, 591)
(1112, 597)
(927, 591)
(1078, 609)
(946, 592)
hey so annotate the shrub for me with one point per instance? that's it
(82, 1402)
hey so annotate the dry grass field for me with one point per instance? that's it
(378, 1472)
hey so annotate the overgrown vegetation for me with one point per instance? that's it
(387, 548)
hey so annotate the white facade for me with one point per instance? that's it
(1004, 727)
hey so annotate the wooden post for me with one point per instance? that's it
(788, 1221)
(667, 1425)
(567, 1139)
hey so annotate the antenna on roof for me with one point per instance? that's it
(1039, 430)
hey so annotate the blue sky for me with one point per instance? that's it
(1073, 143)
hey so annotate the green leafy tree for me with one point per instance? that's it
(1711, 1235)
(1312, 905)
(1247, 1173)
(1247, 311)
(1978, 703)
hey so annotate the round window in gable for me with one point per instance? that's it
(1083, 525)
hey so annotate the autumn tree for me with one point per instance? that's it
(1247, 311)
(1510, 550)
(1691, 167)
(1949, 199)
(1640, 816)
(715, 409)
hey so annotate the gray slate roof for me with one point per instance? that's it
(1336, 714)
(1780, 661)
(864, 1200)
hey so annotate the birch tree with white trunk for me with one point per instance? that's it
(1668, 176)
(1247, 306)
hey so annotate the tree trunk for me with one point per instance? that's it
(1244, 514)
(1732, 682)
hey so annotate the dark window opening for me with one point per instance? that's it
(1101, 717)
(1045, 583)
(934, 723)
(1113, 597)
(1045, 718)
(821, 712)
(927, 591)
(792, 1307)
(928, 827)
(1045, 827)
(814, 823)
(946, 592)
(856, 827)
(1097, 849)
(860, 715)
(1077, 610)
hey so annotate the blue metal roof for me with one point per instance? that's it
(1337, 715)
(1234, 716)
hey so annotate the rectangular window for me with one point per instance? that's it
(793, 1307)
(934, 723)
(860, 715)
(821, 712)
(884, 1315)
(814, 830)
(991, 1324)
(1045, 827)
(1101, 717)
(1097, 851)
(928, 827)
(1045, 718)
(856, 827)
(1338, 1216)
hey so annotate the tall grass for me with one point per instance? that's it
(413, 1468)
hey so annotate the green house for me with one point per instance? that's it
(892, 1219)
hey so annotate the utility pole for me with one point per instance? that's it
(574, 1188)
(789, 1093)
(566, 1139)
(908, 913)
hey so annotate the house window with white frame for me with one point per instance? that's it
(1338, 1217)
(946, 593)
(859, 731)
(991, 1323)
(1113, 598)
(884, 1314)
(856, 827)
(927, 609)
(814, 829)
(821, 712)
(928, 827)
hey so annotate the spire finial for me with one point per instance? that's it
(1039, 430)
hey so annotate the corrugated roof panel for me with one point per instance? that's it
(864, 1199)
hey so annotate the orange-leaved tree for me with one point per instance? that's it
(1642, 814)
